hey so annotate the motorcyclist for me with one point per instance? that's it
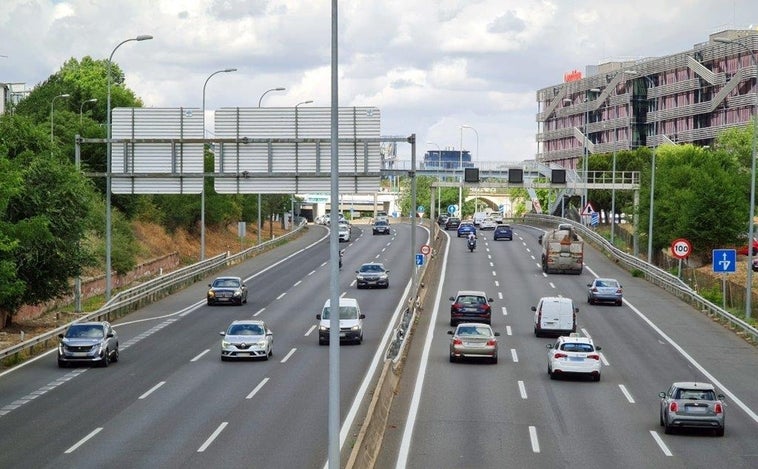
(342, 251)
(472, 239)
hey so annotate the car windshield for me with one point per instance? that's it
(573, 347)
(346, 312)
(696, 394)
(226, 283)
(83, 331)
(245, 329)
(371, 268)
(474, 330)
(380, 223)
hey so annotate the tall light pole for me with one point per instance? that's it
(749, 282)
(143, 37)
(652, 182)
(476, 201)
(297, 156)
(460, 186)
(585, 150)
(260, 100)
(51, 112)
(81, 108)
(202, 191)
(439, 161)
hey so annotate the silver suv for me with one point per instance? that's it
(88, 342)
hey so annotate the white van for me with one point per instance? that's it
(351, 322)
(479, 217)
(554, 315)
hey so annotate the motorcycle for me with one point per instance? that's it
(472, 244)
(340, 262)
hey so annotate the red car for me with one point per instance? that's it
(742, 251)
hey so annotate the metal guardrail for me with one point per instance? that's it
(133, 298)
(653, 274)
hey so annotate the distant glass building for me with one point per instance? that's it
(447, 159)
(688, 97)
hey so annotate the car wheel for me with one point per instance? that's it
(452, 359)
(105, 361)
(115, 356)
(271, 352)
(536, 333)
(62, 364)
(387, 286)
(224, 359)
(596, 377)
(667, 429)
(494, 360)
(322, 342)
(619, 303)
(660, 417)
(720, 431)
(210, 303)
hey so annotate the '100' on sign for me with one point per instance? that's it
(681, 248)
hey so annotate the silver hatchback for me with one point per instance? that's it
(693, 405)
(88, 342)
(605, 290)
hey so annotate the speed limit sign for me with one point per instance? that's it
(426, 249)
(681, 248)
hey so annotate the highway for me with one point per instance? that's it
(461, 415)
(170, 402)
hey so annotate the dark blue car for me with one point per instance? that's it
(503, 232)
(465, 228)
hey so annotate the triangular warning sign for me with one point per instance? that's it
(588, 210)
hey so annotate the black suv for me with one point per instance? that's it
(452, 223)
(88, 342)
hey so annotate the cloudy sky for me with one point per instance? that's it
(431, 66)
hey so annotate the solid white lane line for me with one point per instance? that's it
(660, 442)
(310, 329)
(199, 355)
(514, 356)
(213, 436)
(287, 357)
(535, 441)
(258, 312)
(626, 393)
(84, 440)
(522, 389)
(150, 391)
(508, 330)
(257, 388)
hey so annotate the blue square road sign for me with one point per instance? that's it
(725, 261)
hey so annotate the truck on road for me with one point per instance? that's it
(562, 251)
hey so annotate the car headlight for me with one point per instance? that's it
(225, 344)
(238, 293)
(211, 293)
(384, 276)
(261, 344)
(356, 328)
(323, 328)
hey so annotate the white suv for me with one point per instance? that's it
(351, 322)
(344, 232)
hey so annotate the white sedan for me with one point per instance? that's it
(573, 355)
(247, 339)
(487, 224)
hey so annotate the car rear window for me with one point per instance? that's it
(471, 300)
(573, 347)
(700, 394)
(346, 312)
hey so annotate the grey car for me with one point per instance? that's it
(247, 339)
(89, 343)
(473, 340)
(605, 290)
(372, 274)
(692, 405)
(230, 290)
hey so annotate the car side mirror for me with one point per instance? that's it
(598, 348)
(549, 346)
(589, 284)
(362, 316)
(450, 332)
(357, 272)
(662, 395)
(452, 298)
(490, 300)
(721, 397)
(60, 336)
(222, 333)
(110, 334)
(534, 308)
(318, 316)
(210, 285)
(576, 310)
(497, 334)
(386, 271)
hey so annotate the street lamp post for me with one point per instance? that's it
(749, 282)
(460, 186)
(585, 150)
(260, 100)
(476, 201)
(652, 184)
(143, 37)
(202, 191)
(297, 157)
(52, 110)
(439, 162)
(81, 108)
